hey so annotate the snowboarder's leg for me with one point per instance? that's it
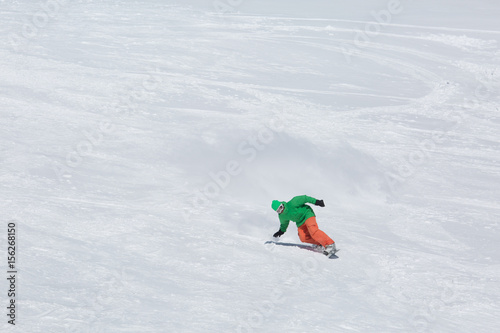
(305, 236)
(316, 234)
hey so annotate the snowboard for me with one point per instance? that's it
(306, 247)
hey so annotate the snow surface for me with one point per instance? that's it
(142, 143)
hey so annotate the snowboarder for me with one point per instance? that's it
(297, 211)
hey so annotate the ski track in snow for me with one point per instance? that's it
(115, 116)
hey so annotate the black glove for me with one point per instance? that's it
(278, 234)
(320, 203)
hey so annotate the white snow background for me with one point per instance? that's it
(142, 142)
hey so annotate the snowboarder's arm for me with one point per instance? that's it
(302, 200)
(284, 225)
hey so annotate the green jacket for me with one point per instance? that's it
(296, 211)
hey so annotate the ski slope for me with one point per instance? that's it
(142, 142)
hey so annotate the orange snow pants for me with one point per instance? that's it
(309, 233)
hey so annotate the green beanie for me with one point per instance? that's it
(275, 205)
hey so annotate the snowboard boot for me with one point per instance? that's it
(330, 249)
(317, 248)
